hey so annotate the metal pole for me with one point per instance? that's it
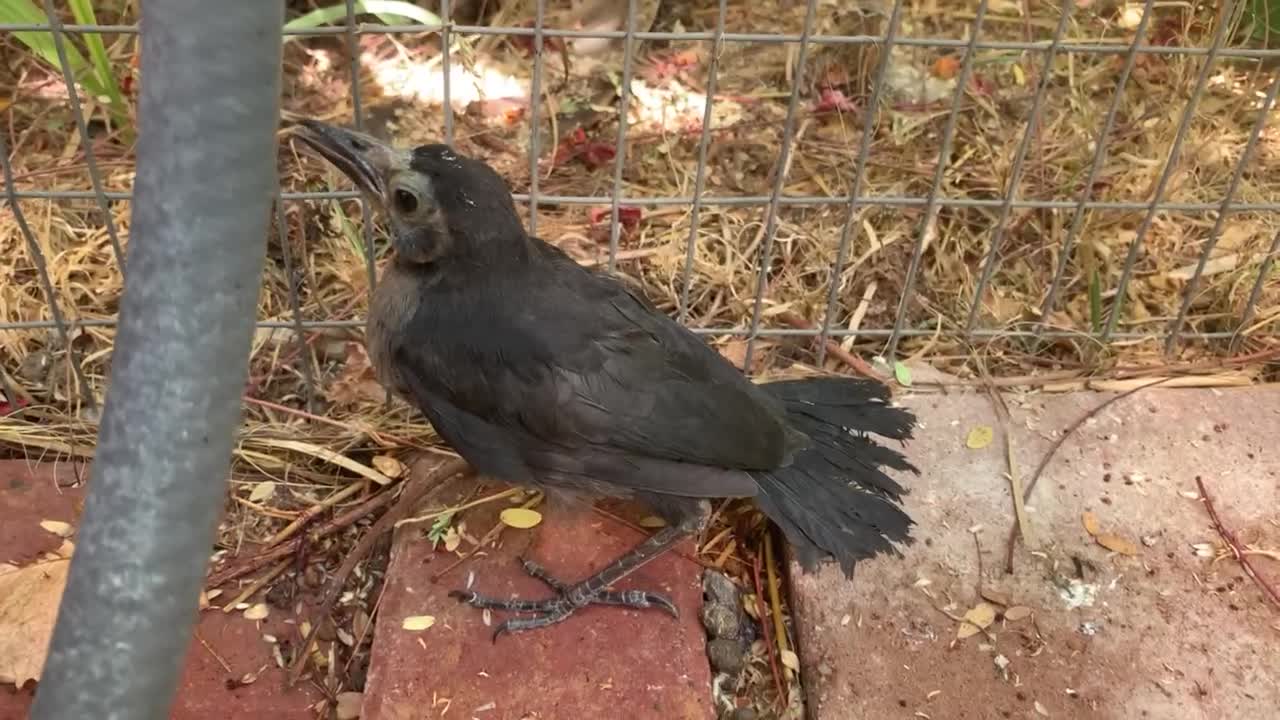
(206, 176)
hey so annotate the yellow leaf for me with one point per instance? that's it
(388, 466)
(653, 521)
(982, 614)
(521, 518)
(979, 616)
(262, 491)
(1019, 75)
(1115, 543)
(418, 622)
(1017, 612)
(980, 437)
(1090, 522)
(29, 600)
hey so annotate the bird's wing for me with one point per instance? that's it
(572, 361)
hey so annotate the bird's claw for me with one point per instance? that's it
(568, 599)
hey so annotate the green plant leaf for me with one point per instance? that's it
(384, 9)
(97, 79)
(902, 373)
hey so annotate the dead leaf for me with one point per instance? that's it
(735, 351)
(790, 660)
(1041, 709)
(652, 521)
(57, 527)
(995, 596)
(1115, 543)
(418, 622)
(980, 437)
(259, 611)
(262, 491)
(452, 540)
(29, 600)
(946, 67)
(357, 383)
(1090, 522)
(520, 518)
(1017, 612)
(388, 466)
(978, 618)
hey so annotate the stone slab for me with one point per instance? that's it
(1163, 634)
(603, 662)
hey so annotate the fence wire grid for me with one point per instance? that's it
(881, 249)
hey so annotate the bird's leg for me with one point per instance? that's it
(570, 598)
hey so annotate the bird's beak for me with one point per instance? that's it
(363, 158)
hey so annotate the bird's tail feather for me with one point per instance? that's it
(835, 499)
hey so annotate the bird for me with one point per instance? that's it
(543, 373)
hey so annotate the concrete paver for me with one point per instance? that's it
(603, 662)
(1162, 634)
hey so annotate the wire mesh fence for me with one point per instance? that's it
(890, 178)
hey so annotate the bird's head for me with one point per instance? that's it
(439, 203)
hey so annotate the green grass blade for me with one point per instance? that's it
(1095, 301)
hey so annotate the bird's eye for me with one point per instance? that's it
(406, 202)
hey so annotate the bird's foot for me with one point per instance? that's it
(568, 599)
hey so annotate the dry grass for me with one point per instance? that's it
(346, 413)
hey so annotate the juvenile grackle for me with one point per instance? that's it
(541, 372)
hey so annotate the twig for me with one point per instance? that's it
(213, 653)
(764, 627)
(833, 347)
(310, 513)
(489, 537)
(1241, 555)
(1016, 491)
(977, 545)
(1053, 449)
(288, 548)
(775, 602)
(256, 585)
(415, 491)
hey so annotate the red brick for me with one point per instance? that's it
(31, 492)
(601, 662)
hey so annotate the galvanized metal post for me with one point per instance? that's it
(207, 119)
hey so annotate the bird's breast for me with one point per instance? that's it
(391, 311)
